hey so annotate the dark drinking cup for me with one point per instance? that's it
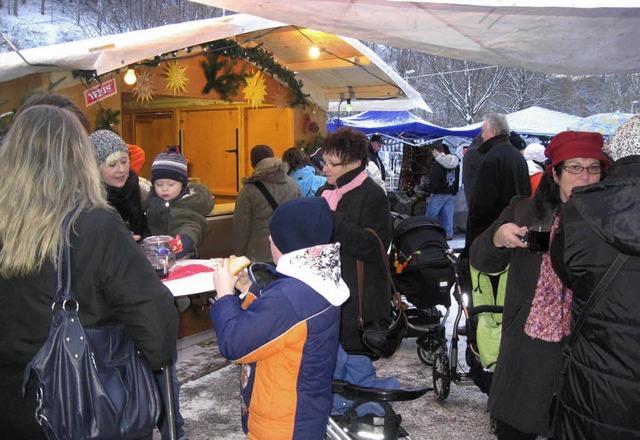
(538, 239)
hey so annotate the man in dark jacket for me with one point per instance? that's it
(375, 144)
(443, 186)
(503, 174)
(600, 398)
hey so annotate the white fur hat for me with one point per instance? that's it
(535, 152)
(626, 140)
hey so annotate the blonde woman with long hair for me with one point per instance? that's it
(48, 171)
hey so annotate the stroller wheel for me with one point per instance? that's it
(441, 375)
(425, 356)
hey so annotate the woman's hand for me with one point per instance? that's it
(510, 236)
(223, 281)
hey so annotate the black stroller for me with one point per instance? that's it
(424, 276)
(426, 271)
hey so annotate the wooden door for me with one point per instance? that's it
(210, 140)
(270, 126)
(154, 132)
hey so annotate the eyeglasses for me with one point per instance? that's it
(578, 169)
(329, 164)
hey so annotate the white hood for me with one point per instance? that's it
(534, 168)
(449, 161)
(319, 268)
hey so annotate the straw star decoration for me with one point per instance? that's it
(281, 97)
(143, 90)
(176, 77)
(256, 89)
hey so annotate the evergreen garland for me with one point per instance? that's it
(225, 83)
(106, 119)
(255, 55)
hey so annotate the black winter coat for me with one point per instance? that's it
(522, 384)
(601, 394)
(365, 206)
(112, 280)
(470, 164)
(502, 175)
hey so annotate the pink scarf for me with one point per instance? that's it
(333, 196)
(550, 315)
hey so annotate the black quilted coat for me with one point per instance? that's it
(601, 395)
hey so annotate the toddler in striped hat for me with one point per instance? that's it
(169, 174)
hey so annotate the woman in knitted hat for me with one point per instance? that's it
(175, 207)
(602, 383)
(122, 184)
(537, 307)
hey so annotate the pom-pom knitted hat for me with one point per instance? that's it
(170, 165)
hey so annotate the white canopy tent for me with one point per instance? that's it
(347, 68)
(536, 121)
(573, 37)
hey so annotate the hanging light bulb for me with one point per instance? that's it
(130, 77)
(314, 52)
(349, 107)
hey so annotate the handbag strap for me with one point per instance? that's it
(267, 195)
(64, 292)
(596, 294)
(360, 274)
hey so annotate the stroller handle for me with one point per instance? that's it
(451, 256)
(484, 308)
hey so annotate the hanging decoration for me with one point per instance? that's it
(280, 97)
(263, 60)
(220, 76)
(176, 77)
(107, 119)
(307, 123)
(256, 90)
(143, 89)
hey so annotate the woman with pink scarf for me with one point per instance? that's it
(537, 307)
(358, 203)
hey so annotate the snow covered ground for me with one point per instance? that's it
(32, 29)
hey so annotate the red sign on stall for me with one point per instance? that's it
(103, 91)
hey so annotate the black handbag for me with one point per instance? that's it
(384, 336)
(91, 383)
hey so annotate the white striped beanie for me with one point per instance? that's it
(170, 165)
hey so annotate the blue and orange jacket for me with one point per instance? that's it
(286, 340)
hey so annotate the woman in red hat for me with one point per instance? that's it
(537, 308)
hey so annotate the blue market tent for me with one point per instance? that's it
(402, 124)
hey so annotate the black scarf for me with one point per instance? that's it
(126, 201)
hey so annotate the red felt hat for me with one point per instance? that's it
(570, 144)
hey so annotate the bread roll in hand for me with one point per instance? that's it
(238, 264)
